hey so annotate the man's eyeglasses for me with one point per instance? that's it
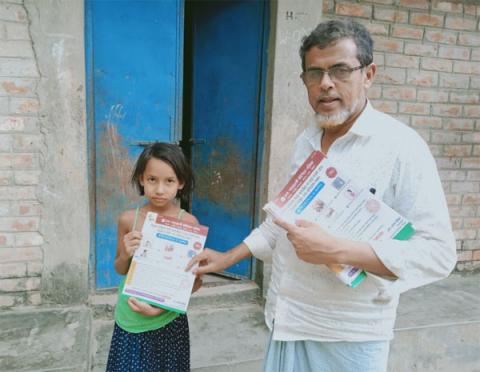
(337, 73)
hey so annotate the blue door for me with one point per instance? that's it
(134, 69)
(227, 52)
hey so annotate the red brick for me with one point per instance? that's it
(385, 106)
(454, 52)
(12, 124)
(472, 111)
(13, 270)
(454, 81)
(387, 45)
(471, 163)
(422, 78)
(470, 9)
(354, 10)
(407, 32)
(377, 28)
(24, 106)
(428, 50)
(472, 222)
(374, 92)
(476, 255)
(473, 175)
(28, 239)
(426, 122)
(460, 23)
(447, 6)
(458, 124)
(436, 96)
(390, 76)
(464, 256)
(464, 234)
(446, 137)
(327, 6)
(21, 254)
(464, 97)
(463, 211)
(447, 110)
(457, 150)
(448, 163)
(18, 224)
(415, 108)
(420, 4)
(475, 55)
(426, 19)
(470, 39)
(453, 199)
(471, 245)
(456, 223)
(444, 36)
(471, 199)
(475, 83)
(449, 175)
(399, 60)
(26, 208)
(17, 193)
(436, 64)
(400, 93)
(466, 67)
(390, 15)
(476, 150)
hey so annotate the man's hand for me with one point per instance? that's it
(208, 261)
(312, 244)
(143, 308)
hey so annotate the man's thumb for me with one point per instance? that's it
(304, 223)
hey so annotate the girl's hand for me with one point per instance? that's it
(131, 241)
(143, 308)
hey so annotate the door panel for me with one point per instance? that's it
(135, 62)
(226, 83)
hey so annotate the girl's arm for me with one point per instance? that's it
(127, 242)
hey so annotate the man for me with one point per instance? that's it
(316, 322)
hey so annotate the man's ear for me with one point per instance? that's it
(370, 71)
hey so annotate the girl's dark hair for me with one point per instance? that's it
(329, 32)
(172, 155)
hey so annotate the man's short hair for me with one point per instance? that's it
(329, 32)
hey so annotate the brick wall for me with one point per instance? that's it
(428, 54)
(20, 161)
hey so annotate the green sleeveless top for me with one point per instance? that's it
(133, 322)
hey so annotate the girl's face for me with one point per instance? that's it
(160, 183)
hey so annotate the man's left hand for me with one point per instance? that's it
(312, 244)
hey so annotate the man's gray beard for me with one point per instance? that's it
(330, 121)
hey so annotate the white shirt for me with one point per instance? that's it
(307, 301)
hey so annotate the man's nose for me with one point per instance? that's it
(326, 82)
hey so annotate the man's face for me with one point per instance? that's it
(335, 100)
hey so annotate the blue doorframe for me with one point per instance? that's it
(134, 57)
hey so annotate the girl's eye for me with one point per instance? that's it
(151, 180)
(171, 181)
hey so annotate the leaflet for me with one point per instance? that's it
(157, 272)
(322, 193)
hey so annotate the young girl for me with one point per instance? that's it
(148, 338)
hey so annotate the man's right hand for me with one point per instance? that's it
(208, 261)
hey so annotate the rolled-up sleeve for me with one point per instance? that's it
(430, 255)
(261, 240)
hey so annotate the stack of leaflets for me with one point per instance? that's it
(321, 193)
(157, 272)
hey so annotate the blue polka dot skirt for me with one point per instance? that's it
(166, 349)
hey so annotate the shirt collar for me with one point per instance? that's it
(364, 126)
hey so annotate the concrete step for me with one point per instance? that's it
(227, 328)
